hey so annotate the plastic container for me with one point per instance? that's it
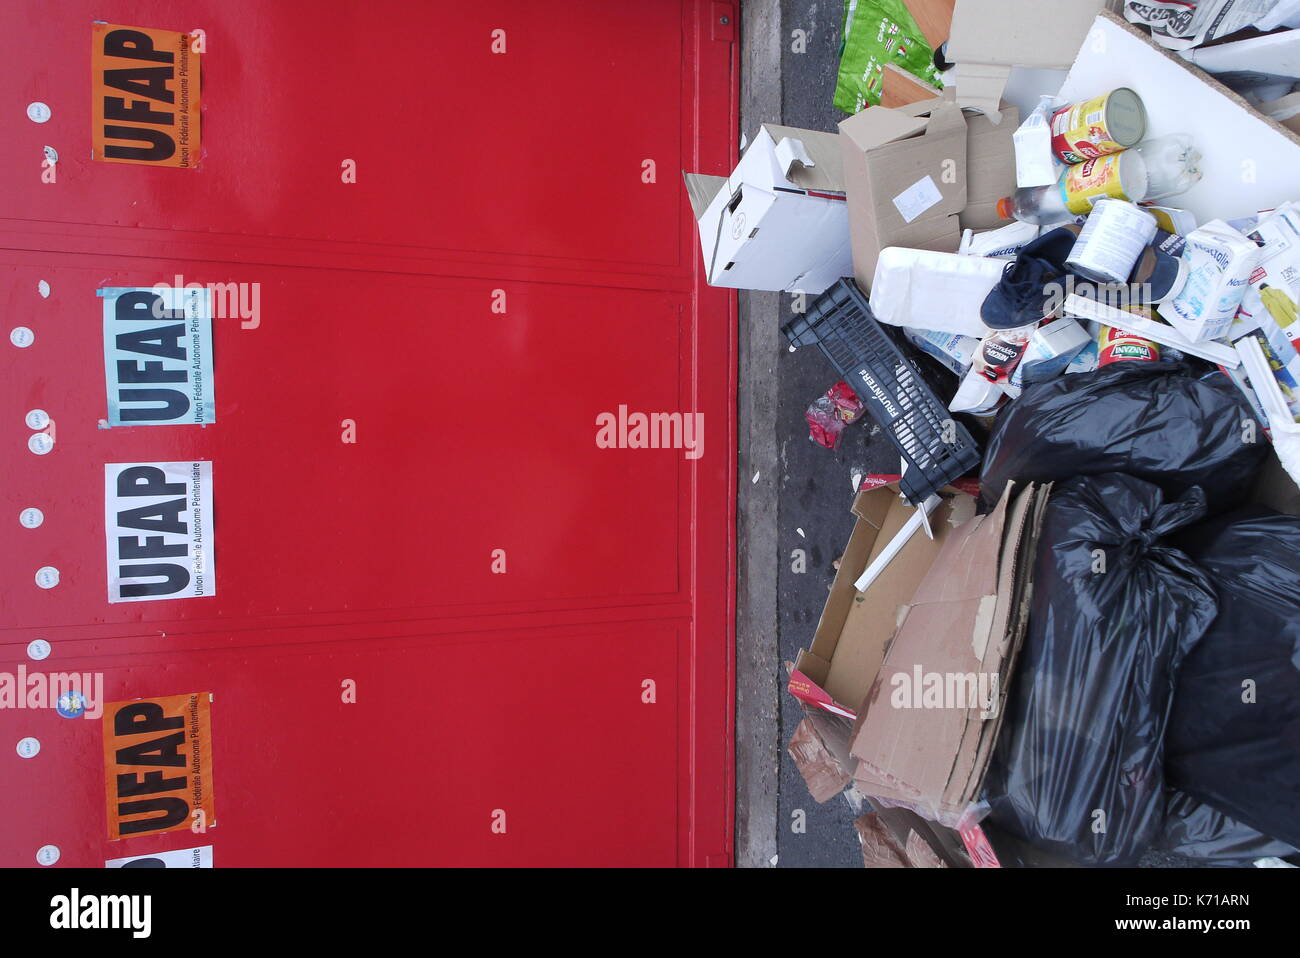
(1173, 165)
(936, 447)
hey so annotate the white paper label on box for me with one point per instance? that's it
(158, 526)
(200, 857)
(917, 198)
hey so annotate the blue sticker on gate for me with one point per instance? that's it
(71, 704)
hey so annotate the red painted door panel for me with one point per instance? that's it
(545, 178)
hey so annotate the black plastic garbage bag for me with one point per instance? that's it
(1196, 830)
(1234, 737)
(1150, 420)
(1078, 768)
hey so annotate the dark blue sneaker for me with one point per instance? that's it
(1022, 296)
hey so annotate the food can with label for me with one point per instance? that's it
(1111, 241)
(1116, 345)
(1105, 124)
(1120, 176)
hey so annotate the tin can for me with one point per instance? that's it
(1105, 124)
(1116, 345)
(1111, 241)
(1120, 176)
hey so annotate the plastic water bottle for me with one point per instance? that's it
(1173, 165)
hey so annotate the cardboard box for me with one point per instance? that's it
(780, 221)
(905, 174)
(989, 37)
(836, 673)
(966, 620)
(914, 181)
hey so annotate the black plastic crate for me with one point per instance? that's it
(938, 449)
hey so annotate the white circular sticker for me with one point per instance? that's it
(31, 517)
(38, 112)
(37, 419)
(48, 854)
(40, 443)
(21, 336)
(44, 289)
(28, 747)
(38, 649)
(47, 577)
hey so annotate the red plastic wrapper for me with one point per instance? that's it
(830, 413)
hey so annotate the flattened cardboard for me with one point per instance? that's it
(967, 617)
(1285, 110)
(899, 88)
(838, 670)
(887, 153)
(821, 772)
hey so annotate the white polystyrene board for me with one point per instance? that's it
(1277, 54)
(1249, 162)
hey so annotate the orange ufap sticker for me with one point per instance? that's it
(158, 765)
(144, 91)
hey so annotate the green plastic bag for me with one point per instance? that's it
(877, 32)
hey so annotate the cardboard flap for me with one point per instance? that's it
(702, 188)
(944, 115)
(827, 171)
(877, 126)
(989, 37)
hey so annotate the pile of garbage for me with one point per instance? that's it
(1068, 630)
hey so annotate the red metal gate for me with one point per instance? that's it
(448, 626)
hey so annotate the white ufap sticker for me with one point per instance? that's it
(37, 419)
(158, 355)
(158, 527)
(31, 517)
(917, 198)
(38, 112)
(200, 857)
(22, 336)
